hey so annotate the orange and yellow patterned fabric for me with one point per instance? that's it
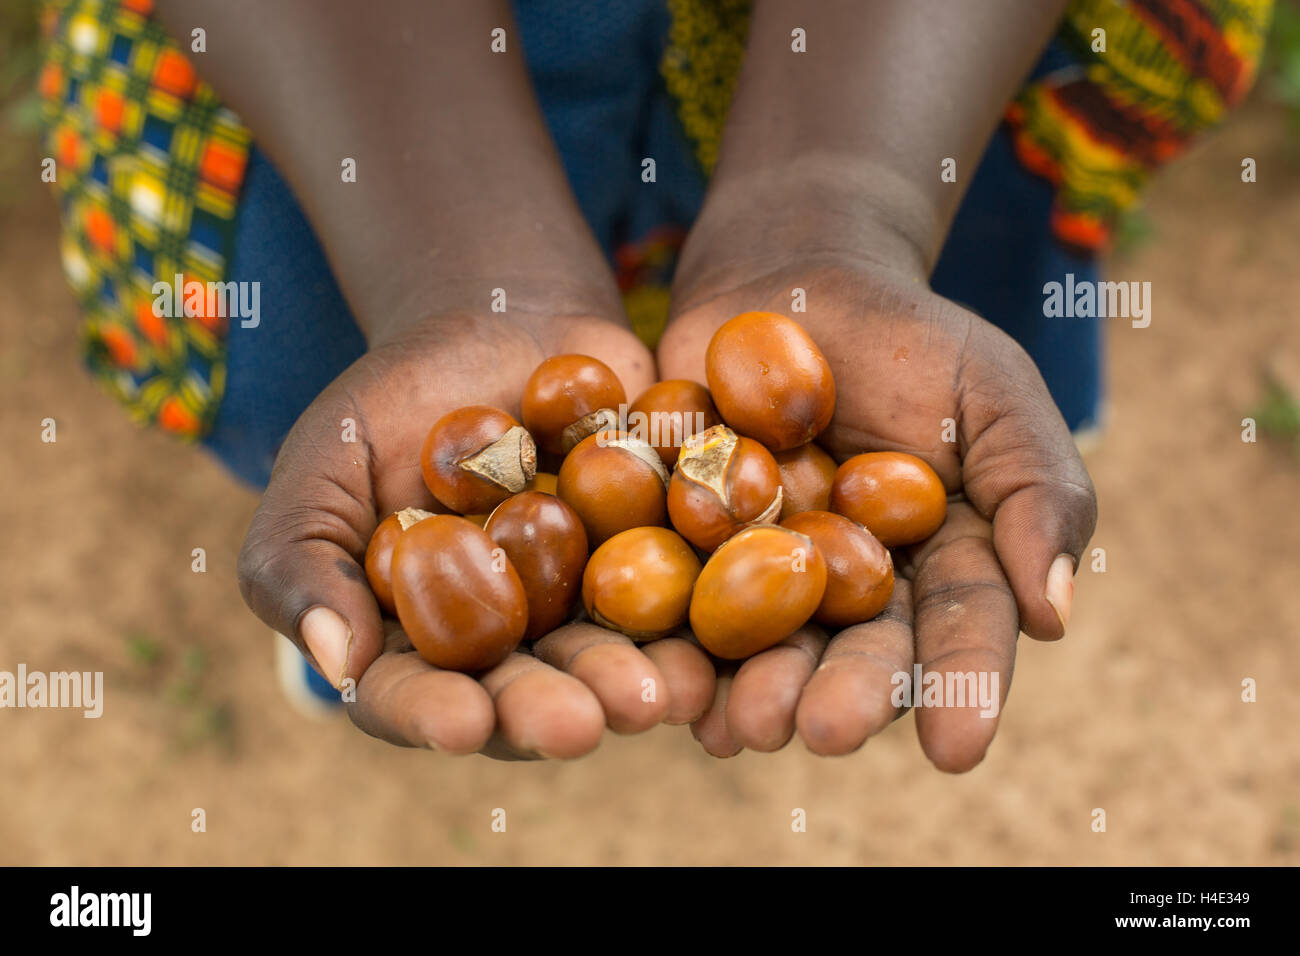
(148, 168)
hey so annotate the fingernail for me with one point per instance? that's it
(329, 639)
(1060, 588)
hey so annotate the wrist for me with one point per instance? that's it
(534, 298)
(819, 209)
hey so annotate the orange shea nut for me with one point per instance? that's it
(722, 482)
(379, 553)
(756, 590)
(769, 380)
(614, 483)
(458, 597)
(895, 496)
(806, 476)
(639, 582)
(546, 543)
(569, 397)
(476, 457)
(859, 569)
(669, 412)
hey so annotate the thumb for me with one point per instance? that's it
(300, 569)
(1023, 471)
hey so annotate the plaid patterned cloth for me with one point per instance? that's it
(149, 167)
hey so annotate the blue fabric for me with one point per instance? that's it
(595, 66)
(306, 336)
(319, 687)
(1001, 252)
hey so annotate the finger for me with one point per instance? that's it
(1023, 471)
(689, 675)
(300, 568)
(542, 711)
(850, 697)
(966, 632)
(632, 691)
(711, 729)
(405, 700)
(765, 692)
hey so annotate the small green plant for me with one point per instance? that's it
(1133, 230)
(179, 681)
(463, 840)
(20, 106)
(1278, 414)
(143, 649)
(1281, 66)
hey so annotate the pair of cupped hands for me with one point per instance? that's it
(1021, 511)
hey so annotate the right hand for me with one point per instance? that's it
(301, 566)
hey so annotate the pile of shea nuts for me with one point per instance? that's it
(709, 508)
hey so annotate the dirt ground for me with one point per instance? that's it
(1138, 712)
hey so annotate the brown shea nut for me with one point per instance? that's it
(722, 482)
(545, 541)
(379, 553)
(895, 496)
(614, 482)
(859, 570)
(769, 380)
(668, 412)
(459, 598)
(569, 397)
(756, 590)
(476, 457)
(639, 582)
(806, 476)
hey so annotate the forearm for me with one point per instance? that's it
(858, 126)
(459, 189)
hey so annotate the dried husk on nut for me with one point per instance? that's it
(772, 512)
(706, 458)
(643, 451)
(409, 516)
(599, 420)
(509, 462)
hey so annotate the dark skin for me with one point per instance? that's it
(844, 200)
(828, 181)
(459, 191)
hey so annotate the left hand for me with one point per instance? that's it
(1021, 504)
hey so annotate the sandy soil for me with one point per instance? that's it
(1139, 712)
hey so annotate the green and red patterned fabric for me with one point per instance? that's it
(1170, 69)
